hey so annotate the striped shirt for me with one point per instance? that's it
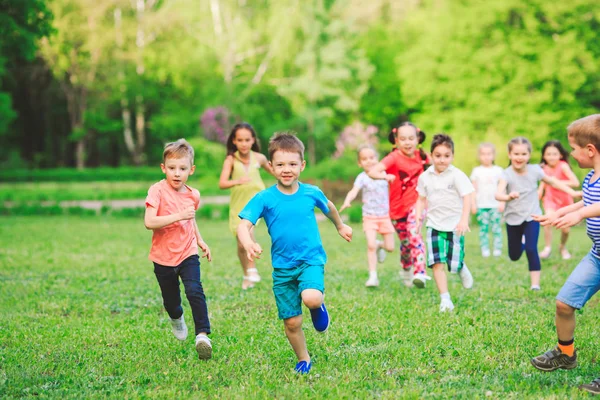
(591, 195)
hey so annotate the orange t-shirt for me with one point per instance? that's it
(173, 243)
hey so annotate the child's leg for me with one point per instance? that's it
(532, 232)
(564, 236)
(416, 247)
(189, 270)
(439, 274)
(484, 219)
(295, 335)
(565, 321)
(388, 242)
(248, 267)
(372, 246)
(169, 286)
(514, 234)
(496, 230)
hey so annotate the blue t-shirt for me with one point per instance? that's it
(591, 195)
(291, 222)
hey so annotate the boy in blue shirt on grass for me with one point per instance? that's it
(297, 253)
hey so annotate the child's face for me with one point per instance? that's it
(486, 156)
(442, 158)
(287, 167)
(243, 140)
(583, 155)
(519, 156)
(407, 140)
(367, 158)
(177, 171)
(551, 156)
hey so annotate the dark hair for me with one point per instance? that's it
(286, 141)
(564, 154)
(231, 148)
(441, 139)
(420, 138)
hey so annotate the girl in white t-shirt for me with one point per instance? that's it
(485, 179)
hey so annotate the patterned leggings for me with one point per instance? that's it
(412, 248)
(487, 217)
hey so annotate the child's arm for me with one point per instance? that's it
(378, 172)
(253, 249)
(349, 197)
(262, 160)
(463, 224)
(419, 212)
(578, 215)
(474, 202)
(334, 216)
(541, 189)
(572, 178)
(501, 192)
(153, 221)
(560, 185)
(224, 181)
(201, 243)
(551, 218)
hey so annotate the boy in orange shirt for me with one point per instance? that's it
(170, 210)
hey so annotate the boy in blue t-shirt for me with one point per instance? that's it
(584, 281)
(298, 257)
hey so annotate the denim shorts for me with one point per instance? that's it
(288, 284)
(582, 284)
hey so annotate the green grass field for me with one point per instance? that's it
(82, 317)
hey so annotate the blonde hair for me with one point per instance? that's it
(586, 131)
(286, 141)
(519, 140)
(179, 149)
(364, 147)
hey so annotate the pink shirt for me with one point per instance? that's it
(554, 198)
(175, 242)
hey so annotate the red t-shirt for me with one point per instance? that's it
(403, 190)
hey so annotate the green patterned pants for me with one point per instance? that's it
(487, 217)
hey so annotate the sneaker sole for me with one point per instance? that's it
(593, 390)
(550, 369)
(204, 350)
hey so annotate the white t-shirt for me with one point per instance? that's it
(486, 180)
(444, 193)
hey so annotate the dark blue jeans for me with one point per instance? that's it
(515, 233)
(189, 272)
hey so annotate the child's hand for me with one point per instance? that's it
(344, 206)
(346, 232)
(462, 228)
(253, 251)
(501, 206)
(187, 213)
(513, 195)
(569, 220)
(205, 250)
(547, 219)
(577, 194)
(390, 178)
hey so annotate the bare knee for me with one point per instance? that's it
(563, 309)
(372, 245)
(293, 324)
(312, 298)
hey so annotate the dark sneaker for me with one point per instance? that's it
(320, 318)
(303, 367)
(593, 387)
(554, 359)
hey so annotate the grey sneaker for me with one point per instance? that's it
(203, 346)
(592, 387)
(179, 328)
(554, 359)
(381, 255)
(407, 276)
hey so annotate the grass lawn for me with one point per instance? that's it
(82, 317)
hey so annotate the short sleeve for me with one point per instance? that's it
(254, 210)
(463, 184)
(153, 198)
(321, 201)
(421, 186)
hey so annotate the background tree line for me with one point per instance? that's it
(94, 83)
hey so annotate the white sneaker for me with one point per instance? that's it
(419, 280)
(446, 305)
(497, 253)
(485, 253)
(381, 255)
(564, 253)
(535, 287)
(407, 276)
(179, 328)
(466, 277)
(546, 252)
(372, 282)
(203, 346)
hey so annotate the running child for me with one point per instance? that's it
(170, 211)
(297, 253)
(487, 209)
(518, 188)
(447, 192)
(241, 174)
(584, 281)
(402, 168)
(555, 163)
(375, 212)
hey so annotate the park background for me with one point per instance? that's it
(90, 90)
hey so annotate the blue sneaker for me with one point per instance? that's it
(303, 367)
(320, 318)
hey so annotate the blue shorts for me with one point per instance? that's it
(582, 284)
(288, 284)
